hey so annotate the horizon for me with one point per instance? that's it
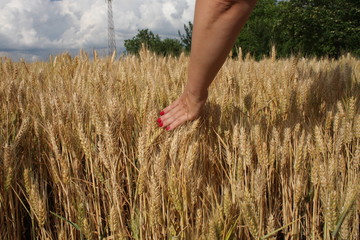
(35, 30)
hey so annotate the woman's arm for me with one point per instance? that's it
(217, 24)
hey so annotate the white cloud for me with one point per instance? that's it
(69, 24)
(20, 55)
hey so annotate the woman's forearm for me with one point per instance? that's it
(217, 24)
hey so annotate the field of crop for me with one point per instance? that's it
(275, 154)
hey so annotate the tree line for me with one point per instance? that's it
(312, 28)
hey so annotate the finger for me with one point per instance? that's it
(172, 112)
(170, 107)
(179, 121)
(173, 117)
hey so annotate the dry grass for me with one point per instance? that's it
(278, 146)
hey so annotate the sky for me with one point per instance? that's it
(34, 29)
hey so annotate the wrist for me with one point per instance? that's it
(196, 93)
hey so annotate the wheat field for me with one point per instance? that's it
(275, 154)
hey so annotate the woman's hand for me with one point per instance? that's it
(187, 107)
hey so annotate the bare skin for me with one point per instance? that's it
(217, 24)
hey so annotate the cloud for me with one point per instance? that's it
(21, 55)
(68, 24)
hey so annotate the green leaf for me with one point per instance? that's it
(66, 220)
(279, 229)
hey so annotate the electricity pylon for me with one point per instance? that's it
(111, 30)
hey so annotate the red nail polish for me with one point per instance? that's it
(161, 124)
(159, 120)
(162, 113)
(168, 129)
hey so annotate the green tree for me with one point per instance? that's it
(186, 38)
(171, 47)
(318, 27)
(146, 37)
(257, 35)
(153, 42)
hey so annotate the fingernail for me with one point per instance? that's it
(162, 113)
(168, 129)
(161, 124)
(159, 120)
